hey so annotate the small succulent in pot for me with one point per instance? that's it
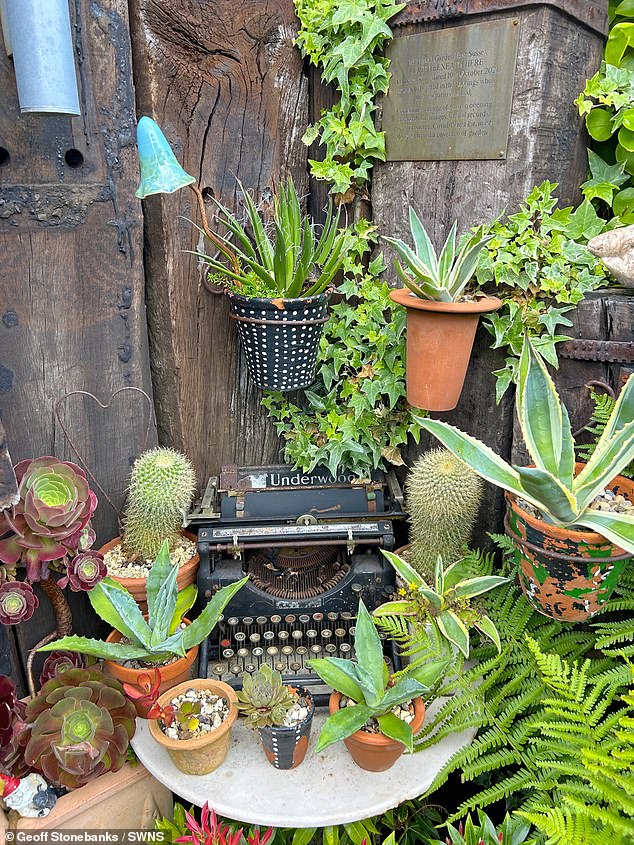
(282, 714)
(78, 727)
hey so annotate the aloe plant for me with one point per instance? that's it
(366, 682)
(296, 262)
(160, 637)
(551, 486)
(443, 277)
(446, 605)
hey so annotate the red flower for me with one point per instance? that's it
(17, 602)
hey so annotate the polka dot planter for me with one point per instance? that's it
(280, 338)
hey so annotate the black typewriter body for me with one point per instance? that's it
(310, 544)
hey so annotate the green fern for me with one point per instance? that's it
(603, 407)
(614, 627)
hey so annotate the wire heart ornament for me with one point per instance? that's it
(104, 406)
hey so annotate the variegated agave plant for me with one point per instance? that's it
(561, 497)
(443, 277)
(446, 605)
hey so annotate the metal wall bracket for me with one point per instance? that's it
(611, 351)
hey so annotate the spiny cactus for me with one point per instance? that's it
(161, 489)
(443, 496)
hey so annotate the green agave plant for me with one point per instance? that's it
(439, 277)
(365, 681)
(297, 262)
(551, 486)
(160, 637)
(447, 604)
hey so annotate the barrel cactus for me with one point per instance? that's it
(161, 489)
(79, 727)
(443, 497)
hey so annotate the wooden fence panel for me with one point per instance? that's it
(227, 86)
(72, 314)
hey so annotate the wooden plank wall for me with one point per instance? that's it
(546, 141)
(72, 313)
(227, 86)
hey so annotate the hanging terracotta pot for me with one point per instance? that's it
(376, 752)
(566, 574)
(439, 341)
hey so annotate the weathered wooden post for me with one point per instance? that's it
(480, 110)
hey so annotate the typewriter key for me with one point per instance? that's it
(340, 633)
(243, 652)
(352, 629)
(275, 619)
(233, 621)
(257, 652)
(272, 651)
(315, 649)
(254, 638)
(235, 669)
(268, 636)
(301, 650)
(345, 649)
(304, 619)
(218, 670)
(240, 636)
(280, 667)
(247, 621)
(297, 635)
(295, 667)
(250, 668)
(282, 635)
(326, 634)
(318, 617)
(311, 634)
(330, 648)
(332, 617)
(290, 619)
(225, 643)
(228, 653)
(346, 615)
(261, 620)
(287, 650)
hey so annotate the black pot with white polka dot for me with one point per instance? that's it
(280, 338)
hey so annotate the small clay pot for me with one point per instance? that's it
(171, 675)
(440, 338)
(205, 753)
(566, 574)
(376, 752)
(136, 586)
(285, 747)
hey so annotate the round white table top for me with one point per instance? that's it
(326, 789)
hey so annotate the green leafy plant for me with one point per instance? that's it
(345, 38)
(443, 495)
(513, 831)
(289, 260)
(365, 682)
(603, 410)
(551, 485)
(161, 489)
(444, 277)
(160, 637)
(446, 605)
(264, 699)
(607, 103)
(355, 416)
(541, 267)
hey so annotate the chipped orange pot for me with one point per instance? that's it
(440, 338)
(565, 574)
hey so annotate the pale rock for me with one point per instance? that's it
(616, 251)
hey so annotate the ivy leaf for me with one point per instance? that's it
(585, 223)
(599, 124)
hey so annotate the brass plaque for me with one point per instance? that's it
(451, 93)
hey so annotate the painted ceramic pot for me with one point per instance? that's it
(567, 575)
(285, 748)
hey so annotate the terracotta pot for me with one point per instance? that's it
(171, 675)
(376, 752)
(205, 753)
(130, 799)
(136, 586)
(439, 341)
(285, 748)
(565, 574)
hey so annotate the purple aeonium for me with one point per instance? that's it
(61, 661)
(84, 571)
(17, 602)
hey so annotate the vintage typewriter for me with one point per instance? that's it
(310, 544)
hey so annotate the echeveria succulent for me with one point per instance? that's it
(17, 602)
(84, 571)
(12, 713)
(60, 661)
(55, 506)
(80, 726)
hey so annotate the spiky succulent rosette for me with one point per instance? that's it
(84, 571)
(18, 602)
(55, 506)
(12, 714)
(80, 726)
(60, 661)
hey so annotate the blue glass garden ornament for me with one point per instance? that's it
(160, 171)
